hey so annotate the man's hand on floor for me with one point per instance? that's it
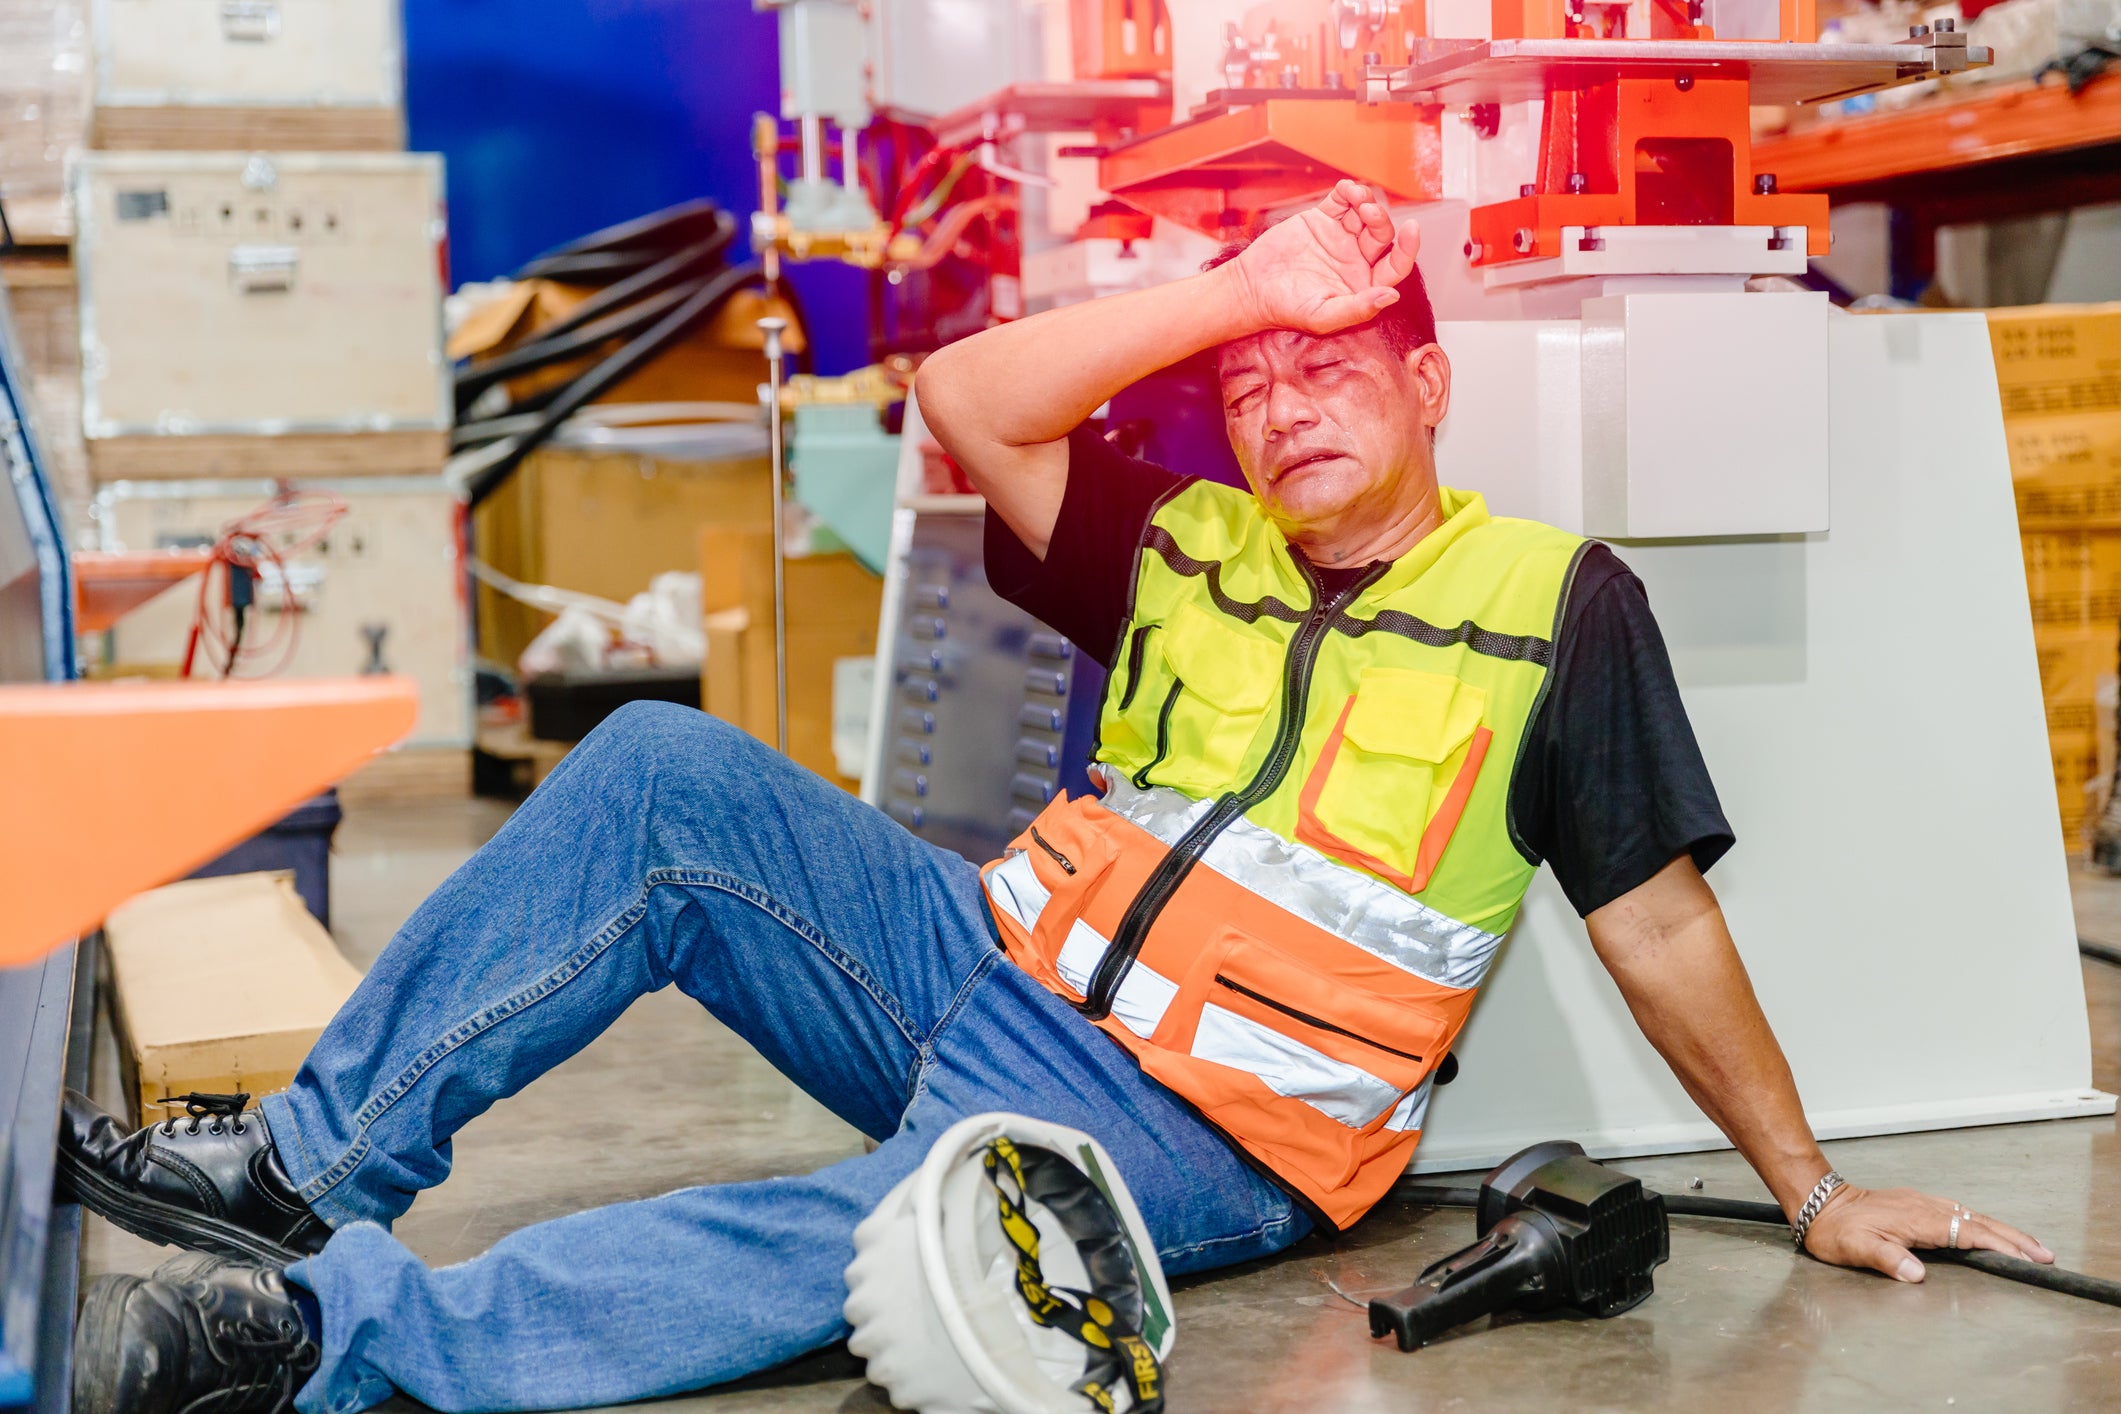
(1875, 1227)
(1331, 267)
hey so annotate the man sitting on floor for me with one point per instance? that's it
(1348, 716)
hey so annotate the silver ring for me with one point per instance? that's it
(1953, 1240)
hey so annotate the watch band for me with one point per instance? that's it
(1821, 1191)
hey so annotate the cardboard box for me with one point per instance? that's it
(2066, 470)
(2074, 662)
(603, 523)
(724, 361)
(833, 604)
(2057, 358)
(220, 985)
(2073, 577)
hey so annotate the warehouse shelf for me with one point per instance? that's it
(2008, 121)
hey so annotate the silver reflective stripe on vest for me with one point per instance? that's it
(1144, 995)
(1351, 905)
(1410, 1112)
(1334, 1088)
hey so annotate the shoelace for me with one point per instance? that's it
(199, 1105)
(266, 1364)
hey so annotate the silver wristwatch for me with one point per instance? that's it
(1821, 1191)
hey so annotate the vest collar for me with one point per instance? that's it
(1463, 512)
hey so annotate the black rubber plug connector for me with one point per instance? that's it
(1556, 1230)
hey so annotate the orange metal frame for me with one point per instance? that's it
(2014, 120)
(1221, 174)
(1641, 152)
(109, 584)
(110, 788)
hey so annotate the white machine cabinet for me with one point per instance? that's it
(304, 293)
(169, 71)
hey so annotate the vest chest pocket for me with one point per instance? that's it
(1199, 708)
(1394, 776)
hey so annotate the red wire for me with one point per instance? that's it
(299, 520)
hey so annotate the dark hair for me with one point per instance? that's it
(1407, 324)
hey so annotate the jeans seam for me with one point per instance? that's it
(924, 1054)
(1168, 1253)
(464, 1032)
(802, 927)
(600, 942)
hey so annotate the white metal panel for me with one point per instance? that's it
(239, 53)
(1869, 705)
(1704, 414)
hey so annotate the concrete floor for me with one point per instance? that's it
(1738, 1321)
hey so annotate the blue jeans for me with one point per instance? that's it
(669, 847)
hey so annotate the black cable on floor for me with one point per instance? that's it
(2098, 952)
(1686, 1205)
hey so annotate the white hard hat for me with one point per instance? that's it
(1011, 1273)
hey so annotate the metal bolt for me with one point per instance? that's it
(1523, 240)
(1764, 184)
(1371, 58)
(1527, 190)
(1472, 250)
(1947, 25)
(1918, 31)
(1685, 82)
(1336, 80)
(1578, 184)
(1694, 1183)
(1290, 75)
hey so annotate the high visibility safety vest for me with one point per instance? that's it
(1301, 863)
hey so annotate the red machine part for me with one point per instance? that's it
(1121, 39)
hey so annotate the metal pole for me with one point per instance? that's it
(772, 328)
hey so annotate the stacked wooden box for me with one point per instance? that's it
(2058, 368)
(261, 273)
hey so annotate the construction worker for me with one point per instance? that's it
(1348, 715)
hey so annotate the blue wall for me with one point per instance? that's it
(560, 116)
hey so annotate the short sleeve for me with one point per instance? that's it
(1611, 785)
(1081, 588)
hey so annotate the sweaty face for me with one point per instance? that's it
(1329, 429)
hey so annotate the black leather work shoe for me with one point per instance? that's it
(203, 1333)
(211, 1182)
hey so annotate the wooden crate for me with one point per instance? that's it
(304, 292)
(248, 75)
(391, 561)
(44, 108)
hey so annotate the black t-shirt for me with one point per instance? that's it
(1610, 785)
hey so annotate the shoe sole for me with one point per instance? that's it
(93, 1391)
(167, 1224)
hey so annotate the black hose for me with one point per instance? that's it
(695, 258)
(1686, 1205)
(542, 352)
(611, 371)
(658, 231)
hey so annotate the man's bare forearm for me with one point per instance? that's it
(1003, 401)
(1667, 946)
(1032, 380)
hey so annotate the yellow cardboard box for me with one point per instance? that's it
(2066, 470)
(221, 985)
(2057, 358)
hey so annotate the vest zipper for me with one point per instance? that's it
(1163, 735)
(1309, 1020)
(1067, 865)
(1134, 666)
(1172, 869)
